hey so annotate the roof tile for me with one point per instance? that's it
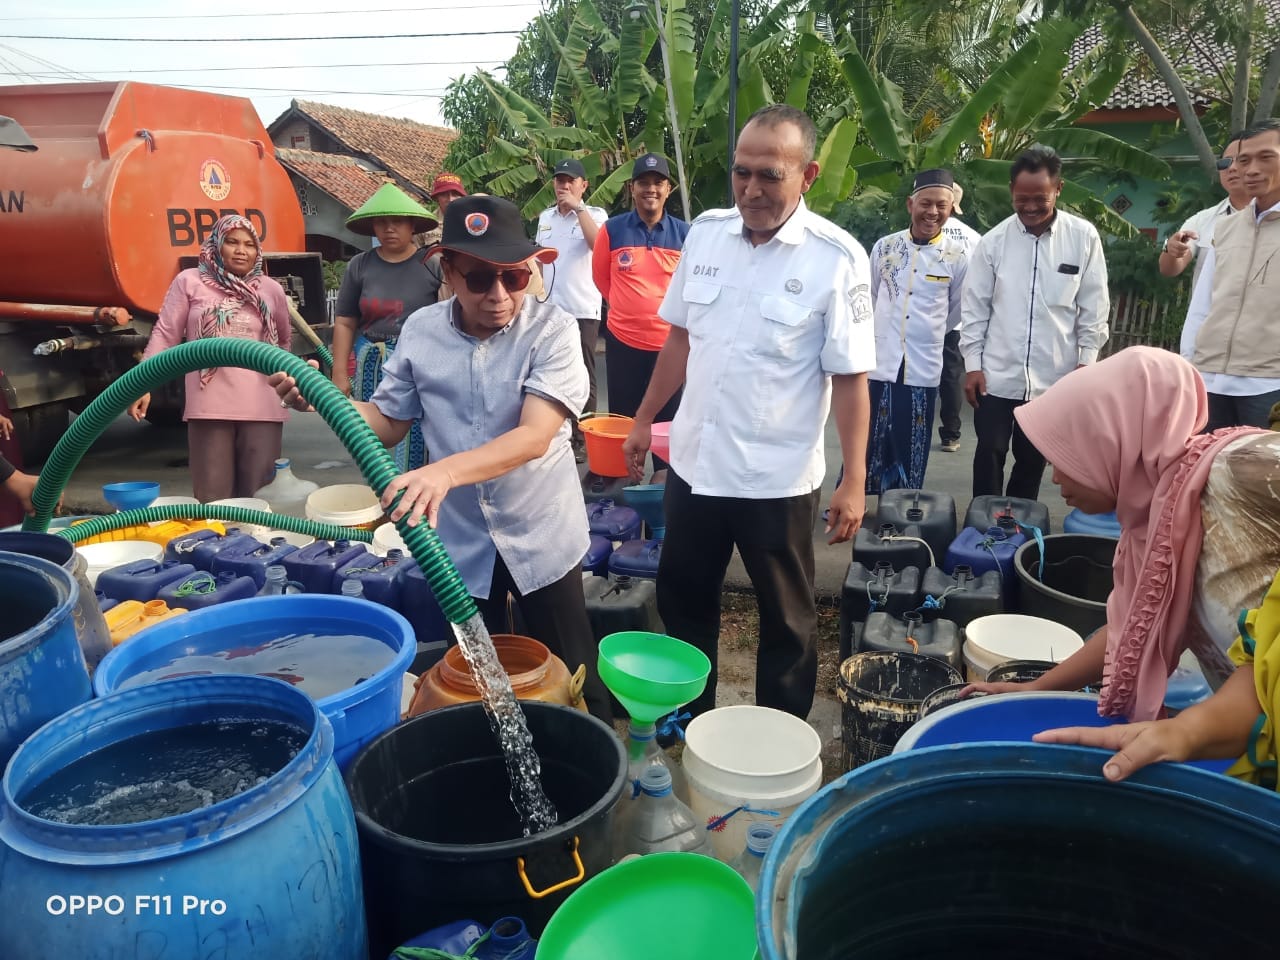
(343, 178)
(412, 151)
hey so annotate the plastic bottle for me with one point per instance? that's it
(287, 493)
(644, 752)
(657, 822)
(751, 859)
(278, 582)
(353, 588)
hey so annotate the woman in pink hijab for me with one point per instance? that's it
(1200, 516)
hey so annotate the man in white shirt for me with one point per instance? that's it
(1182, 247)
(951, 385)
(917, 275)
(1230, 333)
(570, 226)
(771, 327)
(1035, 308)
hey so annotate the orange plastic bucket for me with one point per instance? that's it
(604, 434)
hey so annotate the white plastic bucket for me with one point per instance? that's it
(171, 502)
(116, 553)
(749, 756)
(245, 503)
(387, 538)
(1001, 637)
(345, 505)
(299, 540)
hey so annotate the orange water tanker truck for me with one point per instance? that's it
(126, 182)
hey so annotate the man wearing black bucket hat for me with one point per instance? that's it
(494, 377)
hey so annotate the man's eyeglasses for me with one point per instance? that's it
(481, 281)
(1224, 163)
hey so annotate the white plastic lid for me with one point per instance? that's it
(1016, 636)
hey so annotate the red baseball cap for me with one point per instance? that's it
(447, 183)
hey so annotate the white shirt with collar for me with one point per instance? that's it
(962, 231)
(916, 288)
(768, 326)
(1034, 308)
(1223, 384)
(568, 280)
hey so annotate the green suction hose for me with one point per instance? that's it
(207, 511)
(356, 435)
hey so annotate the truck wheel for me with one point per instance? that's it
(39, 429)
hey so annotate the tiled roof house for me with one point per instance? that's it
(338, 157)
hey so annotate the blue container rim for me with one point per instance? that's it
(803, 838)
(29, 543)
(67, 595)
(226, 618)
(159, 706)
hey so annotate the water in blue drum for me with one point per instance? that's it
(165, 773)
(318, 664)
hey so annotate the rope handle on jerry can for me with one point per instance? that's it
(539, 894)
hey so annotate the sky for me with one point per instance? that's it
(397, 76)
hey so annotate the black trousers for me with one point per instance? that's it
(950, 388)
(630, 370)
(589, 331)
(994, 424)
(556, 615)
(1229, 411)
(775, 540)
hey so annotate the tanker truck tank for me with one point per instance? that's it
(127, 182)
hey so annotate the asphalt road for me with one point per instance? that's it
(130, 451)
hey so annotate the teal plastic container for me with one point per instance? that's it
(1097, 524)
(269, 873)
(1028, 852)
(985, 550)
(358, 714)
(42, 668)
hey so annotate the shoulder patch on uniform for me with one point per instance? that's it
(860, 302)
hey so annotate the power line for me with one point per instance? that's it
(290, 13)
(292, 90)
(287, 66)
(363, 36)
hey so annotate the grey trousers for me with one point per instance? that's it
(232, 458)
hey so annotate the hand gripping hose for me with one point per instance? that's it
(359, 439)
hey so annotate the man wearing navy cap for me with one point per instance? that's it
(635, 255)
(570, 226)
(916, 279)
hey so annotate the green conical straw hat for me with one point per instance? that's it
(390, 201)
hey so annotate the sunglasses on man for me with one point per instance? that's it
(481, 281)
(1224, 163)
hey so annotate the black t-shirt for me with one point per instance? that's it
(380, 295)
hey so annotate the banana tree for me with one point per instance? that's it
(1029, 97)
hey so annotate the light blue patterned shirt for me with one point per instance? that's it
(467, 392)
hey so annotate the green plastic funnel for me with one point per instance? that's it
(652, 674)
(678, 906)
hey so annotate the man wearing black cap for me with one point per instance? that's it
(495, 378)
(570, 226)
(917, 276)
(635, 255)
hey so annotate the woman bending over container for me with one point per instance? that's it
(379, 291)
(1238, 722)
(1199, 513)
(234, 421)
(495, 378)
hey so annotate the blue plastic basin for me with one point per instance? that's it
(1013, 716)
(358, 714)
(131, 496)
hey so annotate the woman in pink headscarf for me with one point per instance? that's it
(1200, 516)
(234, 419)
